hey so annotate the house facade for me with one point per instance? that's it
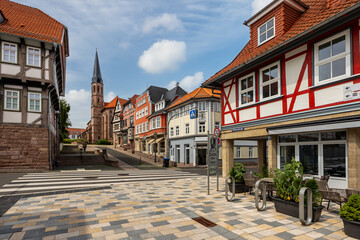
(187, 133)
(294, 88)
(32, 79)
(123, 123)
(75, 133)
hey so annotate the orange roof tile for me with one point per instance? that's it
(30, 22)
(112, 104)
(319, 11)
(196, 94)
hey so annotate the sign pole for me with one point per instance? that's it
(208, 164)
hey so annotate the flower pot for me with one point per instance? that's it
(292, 209)
(239, 187)
(351, 228)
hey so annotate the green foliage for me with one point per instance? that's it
(351, 209)
(64, 120)
(80, 140)
(265, 172)
(66, 140)
(316, 195)
(237, 172)
(103, 142)
(288, 182)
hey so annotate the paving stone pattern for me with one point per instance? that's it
(156, 210)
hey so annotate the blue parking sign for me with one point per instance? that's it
(192, 114)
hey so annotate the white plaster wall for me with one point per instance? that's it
(10, 69)
(293, 69)
(329, 95)
(247, 114)
(271, 109)
(296, 51)
(301, 102)
(31, 117)
(33, 73)
(228, 119)
(11, 117)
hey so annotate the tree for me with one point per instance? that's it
(64, 119)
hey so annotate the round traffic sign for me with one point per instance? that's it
(217, 132)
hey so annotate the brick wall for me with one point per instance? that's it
(23, 148)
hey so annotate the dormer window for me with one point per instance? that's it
(266, 31)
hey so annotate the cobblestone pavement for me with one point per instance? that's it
(157, 210)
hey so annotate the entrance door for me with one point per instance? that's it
(201, 156)
(177, 155)
(187, 154)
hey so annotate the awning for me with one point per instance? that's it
(159, 140)
(151, 141)
(327, 125)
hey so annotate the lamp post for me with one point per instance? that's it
(155, 136)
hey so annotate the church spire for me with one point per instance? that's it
(97, 73)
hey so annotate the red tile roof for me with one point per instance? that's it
(30, 22)
(319, 11)
(112, 104)
(196, 94)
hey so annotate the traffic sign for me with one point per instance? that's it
(219, 141)
(192, 114)
(217, 132)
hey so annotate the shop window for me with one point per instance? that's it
(309, 159)
(332, 58)
(286, 154)
(334, 160)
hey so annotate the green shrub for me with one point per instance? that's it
(288, 182)
(81, 140)
(316, 195)
(351, 209)
(103, 142)
(66, 140)
(237, 172)
(265, 172)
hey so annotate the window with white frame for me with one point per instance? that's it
(33, 56)
(116, 127)
(247, 89)
(270, 81)
(9, 52)
(177, 131)
(146, 111)
(332, 58)
(12, 99)
(147, 126)
(140, 130)
(201, 127)
(238, 151)
(171, 131)
(143, 127)
(158, 122)
(202, 106)
(34, 102)
(187, 128)
(266, 31)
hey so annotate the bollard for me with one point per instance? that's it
(227, 188)
(257, 200)
(302, 192)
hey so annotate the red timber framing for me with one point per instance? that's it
(289, 99)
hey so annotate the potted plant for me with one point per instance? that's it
(237, 172)
(288, 183)
(350, 214)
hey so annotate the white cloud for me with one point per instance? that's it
(109, 96)
(257, 5)
(165, 21)
(162, 56)
(189, 83)
(79, 101)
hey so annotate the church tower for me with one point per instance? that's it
(97, 101)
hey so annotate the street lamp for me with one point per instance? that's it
(155, 136)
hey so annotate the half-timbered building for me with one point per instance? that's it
(33, 49)
(295, 88)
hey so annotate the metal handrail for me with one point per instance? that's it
(227, 188)
(257, 200)
(302, 206)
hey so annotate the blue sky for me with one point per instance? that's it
(142, 43)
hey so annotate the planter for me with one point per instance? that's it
(351, 228)
(292, 209)
(239, 187)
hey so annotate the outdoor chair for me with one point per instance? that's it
(250, 180)
(331, 194)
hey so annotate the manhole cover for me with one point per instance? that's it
(123, 174)
(205, 222)
(91, 177)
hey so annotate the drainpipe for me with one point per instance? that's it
(49, 102)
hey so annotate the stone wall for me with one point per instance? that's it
(23, 148)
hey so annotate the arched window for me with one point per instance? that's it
(98, 89)
(101, 90)
(94, 89)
